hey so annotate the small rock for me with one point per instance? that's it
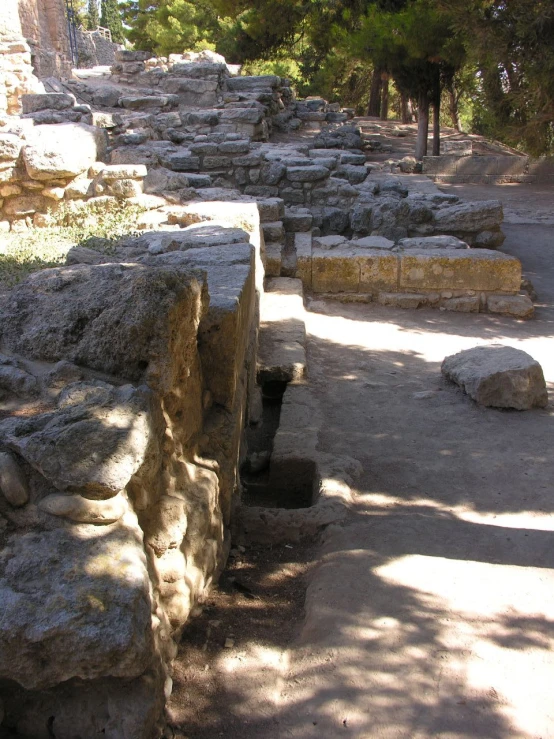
(229, 643)
(13, 483)
(83, 510)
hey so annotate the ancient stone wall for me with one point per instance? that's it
(44, 25)
(16, 71)
(95, 50)
(145, 385)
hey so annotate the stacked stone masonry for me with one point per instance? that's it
(128, 379)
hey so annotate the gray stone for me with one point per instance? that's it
(518, 306)
(116, 318)
(92, 444)
(498, 376)
(272, 173)
(307, 174)
(13, 482)
(354, 174)
(478, 216)
(374, 242)
(433, 242)
(252, 83)
(47, 101)
(85, 600)
(147, 102)
(14, 378)
(182, 161)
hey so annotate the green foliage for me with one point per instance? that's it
(171, 26)
(92, 18)
(39, 248)
(111, 18)
(511, 45)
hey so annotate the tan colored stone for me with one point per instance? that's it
(7, 190)
(519, 306)
(82, 510)
(478, 269)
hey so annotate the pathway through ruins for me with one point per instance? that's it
(430, 612)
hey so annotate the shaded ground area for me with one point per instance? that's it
(431, 611)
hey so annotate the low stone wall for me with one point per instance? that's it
(148, 359)
(489, 169)
(95, 50)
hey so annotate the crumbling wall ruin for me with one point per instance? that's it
(127, 379)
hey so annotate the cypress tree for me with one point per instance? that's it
(92, 19)
(111, 18)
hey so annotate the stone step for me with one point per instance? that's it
(274, 232)
(282, 339)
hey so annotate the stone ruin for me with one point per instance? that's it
(131, 381)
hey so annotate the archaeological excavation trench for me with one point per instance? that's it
(156, 409)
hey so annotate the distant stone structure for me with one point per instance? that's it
(95, 48)
(44, 25)
(34, 43)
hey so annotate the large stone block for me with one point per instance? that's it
(64, 150)
(473, 217)
(46, 101)
(350, 269)
(459, 269)
(246, 83)
(124, 319)
(498, 376)
(74, 605)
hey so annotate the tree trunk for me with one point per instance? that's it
(374, 107)
(385, 98)
(422, 125)
(453, 107)
(406, 112)
(437, 123)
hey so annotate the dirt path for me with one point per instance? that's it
(431, 611)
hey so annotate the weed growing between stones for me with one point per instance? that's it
(97, 226)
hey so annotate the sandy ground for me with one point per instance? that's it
(430, 612)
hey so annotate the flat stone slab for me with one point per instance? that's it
(498, 376)
(282, 351)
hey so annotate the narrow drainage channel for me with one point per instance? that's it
(274, 485)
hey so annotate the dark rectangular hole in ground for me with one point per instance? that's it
(268, 483)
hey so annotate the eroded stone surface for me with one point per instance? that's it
(61, 618)
(498, 376)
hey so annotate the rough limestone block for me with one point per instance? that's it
(64, 150)
(93, 596)
(223, 335)
(498, 376)
(46, 101)
(462, 304)
(335, 271)
(13, 483)
(403, 300)
(378, 271)
(124, 319)
(303, 248)
(432, 242)
(475, 216)
(471, 269)
(519, 306)
(93, 443)
(273, 231)
(273, 259)
(10, 146)
(271, 209)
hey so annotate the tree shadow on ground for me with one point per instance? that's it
(426, 613)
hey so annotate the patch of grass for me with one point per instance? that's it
(95, 226)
